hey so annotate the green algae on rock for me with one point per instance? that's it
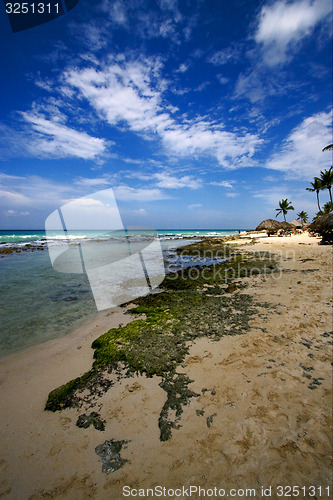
(176, 387)
(200, 301)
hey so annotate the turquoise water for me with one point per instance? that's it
(36, 236)
(38, 303)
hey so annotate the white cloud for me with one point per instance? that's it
(222, 79)
(118, 13)
(230, 54)
(106, 180)
(13, 197)
(182, 68)
(86, 202)
(124, 92)
(283, 24)
(222, 184)
(41, 196)
(129, 93)
(299, 198)
(7, 177)
(14, 213)
(172, 7)
(232, 195)
(136, 212)
(126, 193)
(33, 192)
(49, 138)
(204, 138)
(253, 86)
(195, 205)
(93, 35)
(167, 181)
(301, 154)
(270, 178)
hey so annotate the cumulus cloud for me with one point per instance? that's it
(129, 94)
(204, 138)
(283, 25)
(301, 154)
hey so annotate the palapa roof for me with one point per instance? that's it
(273, 225)
(286, 225)
(296, 223)
(269, 225)
(324, 223)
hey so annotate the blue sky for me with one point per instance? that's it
(199, 114)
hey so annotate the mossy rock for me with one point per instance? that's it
(187, 309)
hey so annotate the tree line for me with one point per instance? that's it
(325, 181)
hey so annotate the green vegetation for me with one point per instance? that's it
(316, 186)
(324, 182)
(284, 207)
(327, 209)
(326, 178)
(303, 216)
(196, 302)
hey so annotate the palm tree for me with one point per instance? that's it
(328, 208)
(303, 216)
(284, 206)
(316, 186)
(327, 148)
(326, 178)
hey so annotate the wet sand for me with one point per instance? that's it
(263, 417)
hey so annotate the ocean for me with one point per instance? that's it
(38, 302)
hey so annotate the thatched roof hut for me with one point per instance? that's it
(286, 226)
(269, 225)
(296, 223)
(324, 226)
(272, 226)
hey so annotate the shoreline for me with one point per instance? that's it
(80, 323)
(39, 443)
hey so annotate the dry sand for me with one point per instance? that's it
(268, 402)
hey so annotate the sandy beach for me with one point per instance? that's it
(262, 417)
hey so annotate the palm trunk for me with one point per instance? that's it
(284, 215)
(330, 191)
(318, 201)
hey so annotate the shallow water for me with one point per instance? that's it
(38, 303)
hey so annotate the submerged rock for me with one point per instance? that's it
(109, 453)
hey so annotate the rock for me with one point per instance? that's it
(94, 418)
(109, 452)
